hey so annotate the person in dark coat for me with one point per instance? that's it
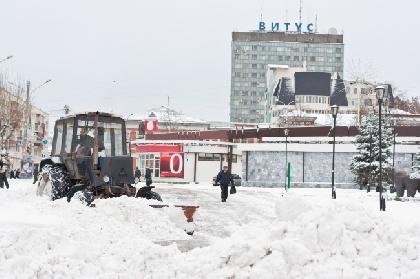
(17, 175)
(3, 177)
(137, 173)
(224, 177)
(12, 174)
(148, 177)
(35, 174)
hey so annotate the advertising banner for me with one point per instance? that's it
(172, 164)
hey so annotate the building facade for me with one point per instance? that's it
(251, 52)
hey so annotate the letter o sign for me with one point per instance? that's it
(172, 163)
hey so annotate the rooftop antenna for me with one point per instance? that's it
(261, 13)
(286, 15)
(300, 12)
(316, 23)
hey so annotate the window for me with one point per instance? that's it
(244, 93)
(363, 90)
(236, 93)
(254, 75)
(347, 90)
(262, 75)
(368, 102)
(208, 157)
(287, 58)
(338, 59)
(237, 56)
(254, 57)
(234, 158)
(254, 84)
(355, 91)
(338, 50)
(254, 48)
(58, 138)
(296, 58)
(69, 136)
(237, 74)
(312, 58)
(152, 161)
(280, 58)
(254, 66)
(263, 48)
(110, 137)
(244, 75)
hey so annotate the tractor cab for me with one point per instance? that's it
(84, 142)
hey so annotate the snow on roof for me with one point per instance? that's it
(166, 114)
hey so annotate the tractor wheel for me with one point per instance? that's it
(60, 183)
(54, 182)
(154, 196)
(145, 192)
(86, 197)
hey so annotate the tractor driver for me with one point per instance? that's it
(85, 143)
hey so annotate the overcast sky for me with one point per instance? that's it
(129, 56)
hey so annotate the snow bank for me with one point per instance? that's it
(309, 238)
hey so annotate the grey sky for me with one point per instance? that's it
(131, 55)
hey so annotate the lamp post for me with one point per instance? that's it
(286, 133)
(370, 129)
(334, 111)
(394, 124)
(380, 90)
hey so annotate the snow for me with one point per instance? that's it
(165, 114)
(257, 233)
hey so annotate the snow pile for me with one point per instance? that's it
(309, 237)
(340, 240)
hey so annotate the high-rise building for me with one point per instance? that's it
(253, 51)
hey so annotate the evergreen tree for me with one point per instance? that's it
(366, 163)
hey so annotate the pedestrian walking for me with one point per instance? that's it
(3, 177)
(17, 174)
(35, 174)
(12, 174)
(137, 173)
(148, 177)
(224, 177)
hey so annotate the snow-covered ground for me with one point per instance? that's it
(257, 233)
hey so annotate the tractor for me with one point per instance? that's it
(89, 160)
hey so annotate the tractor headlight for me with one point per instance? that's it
(106, 178)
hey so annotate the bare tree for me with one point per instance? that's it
(12, 107)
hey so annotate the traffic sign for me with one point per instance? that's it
(21, 143)
(44, 141)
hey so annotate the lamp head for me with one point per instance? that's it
(380, 92)
(286, 132)
(334, 110)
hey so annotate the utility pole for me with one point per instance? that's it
(25, 132)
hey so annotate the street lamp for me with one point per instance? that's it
(334, 111)
(392, 189)
(8, 57)
(286, 134)
(370, 129)
(380, 91)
